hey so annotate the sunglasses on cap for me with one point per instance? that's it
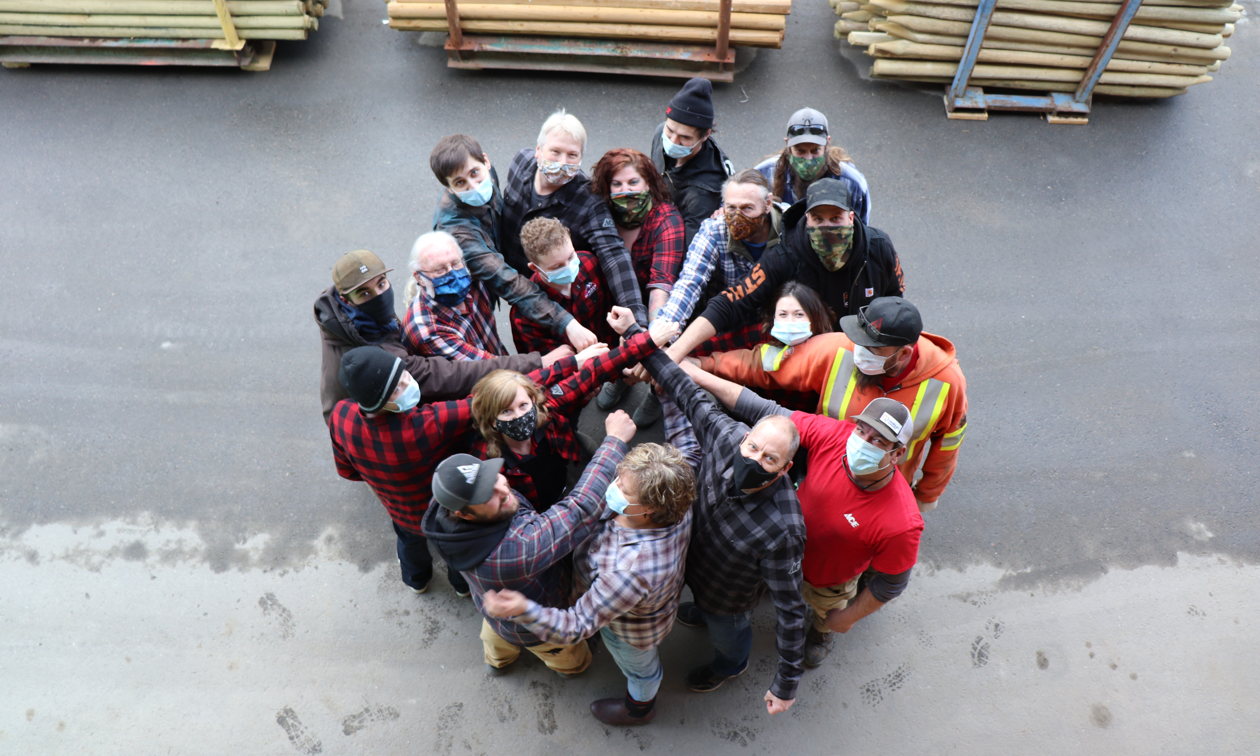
(871, 330)
(796, 130)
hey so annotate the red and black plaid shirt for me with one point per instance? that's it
(565, 399)
(395, 453)
(658, 253)
(589, 302)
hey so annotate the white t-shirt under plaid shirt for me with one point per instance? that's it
(628, 579)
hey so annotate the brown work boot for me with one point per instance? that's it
(617, 711)
(817, 646)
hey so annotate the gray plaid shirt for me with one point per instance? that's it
(741, 544)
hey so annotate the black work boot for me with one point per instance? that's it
(817, 646)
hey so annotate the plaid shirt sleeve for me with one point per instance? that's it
(428, 332)
(665, 237)
(573, 390)
(697, 269)
(708, 423)
(782, 571)
(549, 537)
(530, 336)
(523, 294)
(609, 597)
(596, 225)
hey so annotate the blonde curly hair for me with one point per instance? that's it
(661, 480)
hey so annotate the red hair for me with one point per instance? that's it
(616, 159)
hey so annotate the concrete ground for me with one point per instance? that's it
(185, 573)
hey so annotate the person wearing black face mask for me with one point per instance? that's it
(530, 423)
(358, 310)
(748, 538)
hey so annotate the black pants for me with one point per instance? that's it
(417, 562)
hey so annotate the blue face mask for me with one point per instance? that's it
(567, 274)
(791, 333)
(450, 289)
(864, 457)
(479, 196)
(616, 501)
(672, 149)
(409, 399)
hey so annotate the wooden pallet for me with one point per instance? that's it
(21, 52)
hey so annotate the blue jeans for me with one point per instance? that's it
(642, 668)
(731, 636)
(417, 563)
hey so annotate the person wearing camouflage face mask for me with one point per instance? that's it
(810, 156)
(825, 247)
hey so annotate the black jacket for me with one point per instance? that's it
(871, 271)
(696, 187)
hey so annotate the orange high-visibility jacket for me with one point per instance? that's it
(935, 391)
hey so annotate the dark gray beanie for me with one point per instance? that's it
(370, 374)
(693, 105)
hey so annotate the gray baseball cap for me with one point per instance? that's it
(462, 480)
(889, 418)
(807, 126)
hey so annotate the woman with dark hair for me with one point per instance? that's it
(531, 425)
(796, 315)
(653, 231)
(809, 156)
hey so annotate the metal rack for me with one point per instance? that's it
(972, 103)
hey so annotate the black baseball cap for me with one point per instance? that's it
(889, 418)
(885, 322)
(462, 480)
(827, 191)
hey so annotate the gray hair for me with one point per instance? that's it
(422, 245)
(566, 123)
(749, 176)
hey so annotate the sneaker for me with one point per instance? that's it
(689, 615)
(648, 412)
(704, 679)
(416, 590)
(494, 671)
(817, 646)
(464, 592)
(610, 394)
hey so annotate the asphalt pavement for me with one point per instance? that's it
(185, 573)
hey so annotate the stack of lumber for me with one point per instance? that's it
(1044, 45)
(159, 19)
(754, 23)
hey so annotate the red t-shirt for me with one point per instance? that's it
(846, 528)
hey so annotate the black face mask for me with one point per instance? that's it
(750, 474)
(521, 428)
(379, 308)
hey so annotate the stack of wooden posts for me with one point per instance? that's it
(1044, 45)
(110, 31)
(754, 23)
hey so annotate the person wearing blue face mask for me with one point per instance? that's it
(627, 575)
(449, 314)
(684, 152)
(470, 209)
(571, 278)
(358, 310)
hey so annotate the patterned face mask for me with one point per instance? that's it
(832, 245)
(807, 168)
(629, 209)
(558, 174)
(742, 226)
(519, 428)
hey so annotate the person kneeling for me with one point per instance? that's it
(629, 576)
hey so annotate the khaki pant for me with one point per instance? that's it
(567, 659)
(823, 600)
